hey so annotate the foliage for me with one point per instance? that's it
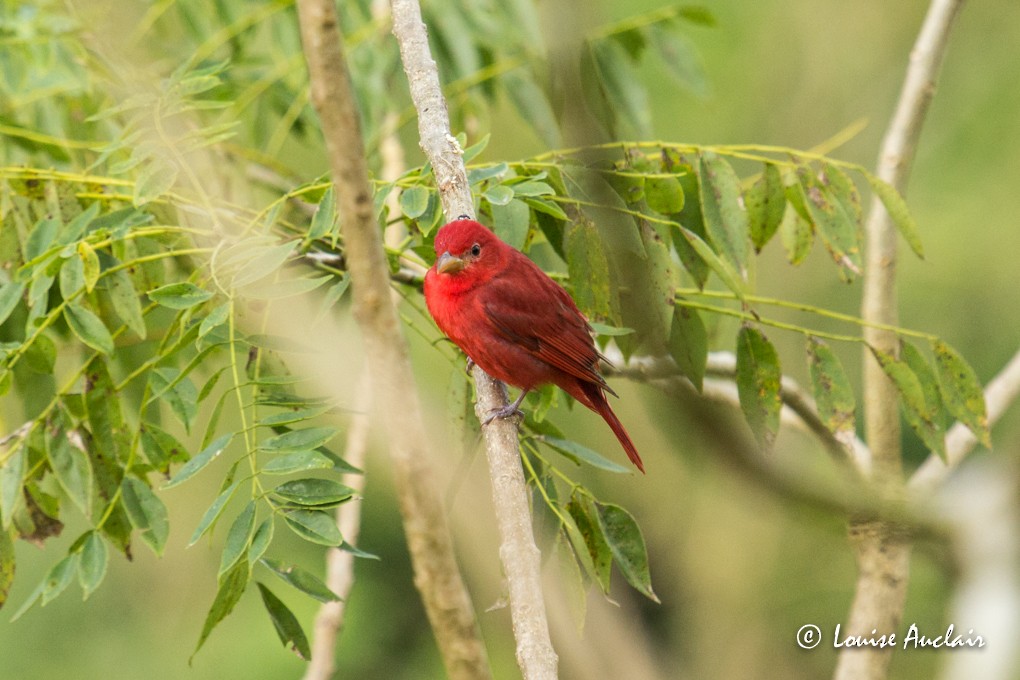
(133, 292)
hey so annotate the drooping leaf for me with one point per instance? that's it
(10, 296)
(414, 201)
(213, 512)
(286, 624)
(510, 222)
(961, 390)
(898, 211)
(724, 214)
(796, 235)
(90, 265)
(723, 269)
(833, 393)
(578, 453)
(626, 542)
(71, 467)
(533, 105)
(92, 565)
(621, 85)
(299, 440)
(72, 277)
(231, 589)
(59, 577)
(12, 475)
(324, 219)
(261, 539)
(600, 558)
(759, 379)
(838, 229)
(587, 262)
(680, 57)
(303, 580)
(205, 457)
(316, 526)
(89, 328)
(238, 538)
(313, 491)
(766, 204)
(181, 295)
(147, 512)
(125, 301)
(688, 344)
(7, 565)
(915, 406)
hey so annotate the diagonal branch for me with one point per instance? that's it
(519, 554)
(437, 576)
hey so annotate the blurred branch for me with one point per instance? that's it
(340, 563)
(795, 398)
(519, 555)
(1000, 393)
(883, 554)
(437, 575)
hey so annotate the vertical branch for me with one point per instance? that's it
(883, 556)
(518, 553)
(437, 576)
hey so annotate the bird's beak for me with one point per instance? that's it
(449, 264)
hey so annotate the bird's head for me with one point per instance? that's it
(465, 247)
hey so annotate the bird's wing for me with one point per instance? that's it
(532, 311)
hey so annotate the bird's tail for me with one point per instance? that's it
(600, 405)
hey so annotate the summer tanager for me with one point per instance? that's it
(515, 322)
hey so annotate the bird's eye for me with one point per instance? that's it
(476, 250)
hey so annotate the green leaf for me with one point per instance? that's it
(299, 440)
(214, 319)
(729, 276)
(627, 544)
(759, 379)
(72, 277)
(299, 461)
(206, 456)
(796, 235)
(125, 301)
(212, 513)
(288, 417)
(71, 467)
(316, 526)
(7, 565)
(414, 201)
(664, 195)
(533, 188)
(688, 344)
(476, 149)
(324, 219)
(766, 204)
(174, 387)
(930, 425)
(604, 209)
(92, 565)
(261, 540)
(161, 448)
(154, 180)
(41, 355)
(12, 475)
(898, 211)
(577, 453)
(833, 393)
(261, 263)
(621, 85)
(838, 229)
(498, 194)
(961, 390)
(680, 57)
(510, 222)
(90, 265)
(59, 577)
(10, 296)
(303, 580)
(915, 405)
(286, 288)
(582, 511)
(238, 538)
(286, 624)
(587, 262)
(181, 295)
(533, 105)
(231, 589)
(40, 239)
(725, 218)
(313, 491)
(148, 514)
(89, 329)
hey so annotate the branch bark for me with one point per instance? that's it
(437, 576)
(519, 555)
(883, 554)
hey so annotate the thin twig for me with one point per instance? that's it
(519, 554)
(437, 575)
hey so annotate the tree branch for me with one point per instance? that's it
(883, 555)
(519, 554)
(437, 576)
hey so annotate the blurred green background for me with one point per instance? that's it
(738, 569)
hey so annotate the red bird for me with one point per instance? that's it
(514, 321)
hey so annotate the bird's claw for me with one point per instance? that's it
(508, 411)
(470, 364)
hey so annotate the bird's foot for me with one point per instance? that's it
(508, 411)
(470, 364)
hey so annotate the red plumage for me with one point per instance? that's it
(514, 321)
